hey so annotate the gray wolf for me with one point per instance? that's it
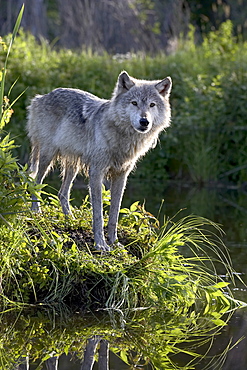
(104, 138)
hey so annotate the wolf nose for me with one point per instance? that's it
(144, 122)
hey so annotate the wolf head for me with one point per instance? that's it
(145, 104)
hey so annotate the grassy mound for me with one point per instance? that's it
(50, 259)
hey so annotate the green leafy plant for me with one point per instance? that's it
(3, 73)
(16, 185)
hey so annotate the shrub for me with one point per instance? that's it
(206, 141)
(15, 184)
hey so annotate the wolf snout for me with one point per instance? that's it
(144, 122)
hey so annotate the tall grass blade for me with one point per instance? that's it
(16, 28)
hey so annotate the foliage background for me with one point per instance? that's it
(200, 44)
(206, 142)
(124, 25)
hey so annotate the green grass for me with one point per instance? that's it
(49, 259)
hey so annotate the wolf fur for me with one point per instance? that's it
(104, 138)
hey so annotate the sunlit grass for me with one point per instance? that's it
(49, 259)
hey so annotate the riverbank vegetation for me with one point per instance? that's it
(206, 142)
(160, 287)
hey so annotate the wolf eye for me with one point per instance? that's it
(134, 102)
(152, 105)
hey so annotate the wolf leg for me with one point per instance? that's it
(69, 175)
(34, 160)
(117, 189)
(45, 161)
(95, 184)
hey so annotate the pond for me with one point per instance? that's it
(228, 207)
(147, 330)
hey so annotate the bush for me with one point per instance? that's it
(207, 139)
(15, 184)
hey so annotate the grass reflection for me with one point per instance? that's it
(145, 337)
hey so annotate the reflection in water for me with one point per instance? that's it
(88, 361)
(147, 340)
(228, 207)
(38, 339)
(237, 357)
(89, 354)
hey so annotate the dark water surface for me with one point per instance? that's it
(226, 206)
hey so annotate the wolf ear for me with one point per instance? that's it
(164, 86)
(124, 82)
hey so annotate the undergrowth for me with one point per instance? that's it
(50, 259)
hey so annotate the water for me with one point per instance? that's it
(226, 206)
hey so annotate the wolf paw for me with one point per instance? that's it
(36, 207)
(117, 244)
(102, 247)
